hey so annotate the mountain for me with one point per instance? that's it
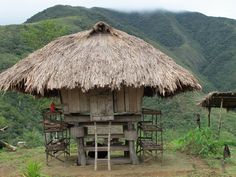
(205, 45)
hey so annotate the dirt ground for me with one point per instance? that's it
(174, 164)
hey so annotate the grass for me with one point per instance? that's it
(20, 158)
(33, 169)
(231, 163)
(175, 163)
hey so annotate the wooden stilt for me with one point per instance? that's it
(81, 152)
(133, 155)
(96, 146)
(220, 118)
(109, 147)
(209, 117)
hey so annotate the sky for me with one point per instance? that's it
(18, 11)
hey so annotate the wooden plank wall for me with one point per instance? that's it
(126, 99)
(75, 101)
(65, 100)
(101, 105)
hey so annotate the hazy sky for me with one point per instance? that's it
(17, 11)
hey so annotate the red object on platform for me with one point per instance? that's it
(52, 107)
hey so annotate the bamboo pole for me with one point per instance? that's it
(109, 148)
(8, 146)
(3, 129)
(96, 146)
(209, 117)
(220, 117)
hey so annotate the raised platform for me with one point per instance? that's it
(118, 118)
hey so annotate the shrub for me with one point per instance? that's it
(200, 142)
(33, 138)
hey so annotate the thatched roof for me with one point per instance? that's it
(100, 57)
(214, 99)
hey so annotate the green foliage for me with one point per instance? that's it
(2, 121)
(33, 169)
(38, 35)
(7, 60)
(33, 138)
(59, 11)
(11, 44)
(200, 142)
(217, 40)
(22, 114)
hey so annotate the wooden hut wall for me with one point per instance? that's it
(75, 101)
(126, 99)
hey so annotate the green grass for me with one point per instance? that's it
(174, 163)
(231, 163)
(33, 169)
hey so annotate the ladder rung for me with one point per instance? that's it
(102, 148)
(102, 159)
(102, 136)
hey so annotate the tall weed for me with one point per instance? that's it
(200, 142)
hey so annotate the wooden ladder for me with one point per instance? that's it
(108, 159)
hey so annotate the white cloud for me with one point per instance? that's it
(17, 11)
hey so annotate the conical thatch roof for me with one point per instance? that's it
(100, 57)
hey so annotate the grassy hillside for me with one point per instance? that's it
(204, 45)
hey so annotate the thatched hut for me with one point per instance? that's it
(100, 74)
(219, 100)
(216, 99)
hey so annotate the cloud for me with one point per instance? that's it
(17, 11)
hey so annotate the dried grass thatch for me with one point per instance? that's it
(100, 57)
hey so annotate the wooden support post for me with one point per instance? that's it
(220, 117)
(96, 147)
(209, 117)
(126, 153)
(133, 155)
(81, 153)
(109, 147)
(161, 124)
(156, 139)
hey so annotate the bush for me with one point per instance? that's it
(33, 138)
(2, 121)
(200, 142)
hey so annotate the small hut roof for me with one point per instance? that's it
(214, 99)
(100, 57)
